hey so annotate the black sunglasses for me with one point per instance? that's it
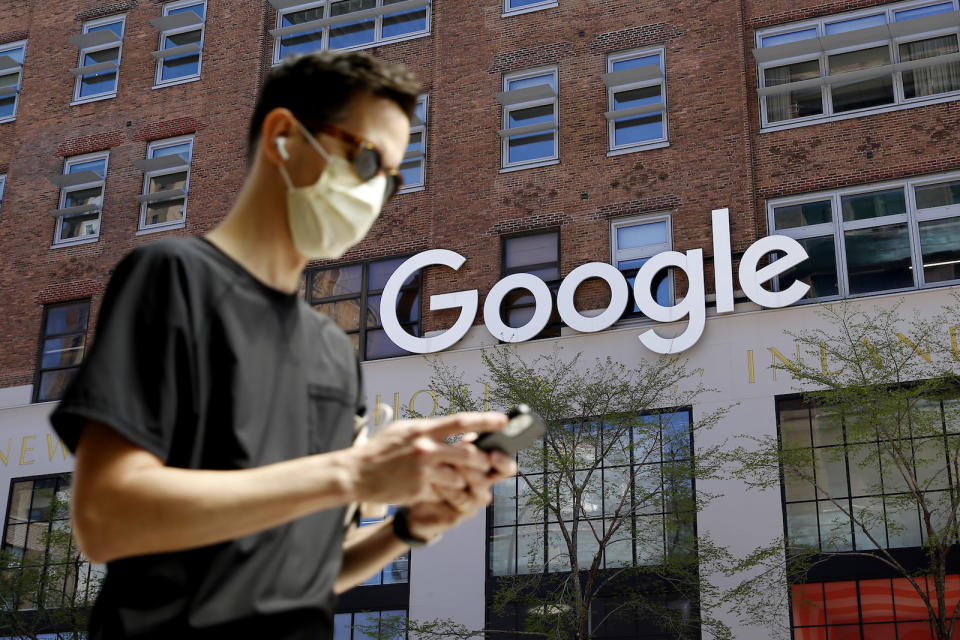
(366, 159)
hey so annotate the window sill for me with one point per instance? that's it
(539, 7)
(634, 149)
(530, 165)
(360, 47)
(97, 98)
(8, 119)
(173, 83)
(144, 231)
(73, 243)
(412, 189)
(951, 97)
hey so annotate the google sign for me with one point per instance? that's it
(692, 307)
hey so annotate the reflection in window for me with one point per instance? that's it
(636, 98)
(537, 254)
(529, 133)
(350, 295)
(634, 242)
(864, 241)
(647, 466)
(370, 625)
(38, 546)
(64, 339)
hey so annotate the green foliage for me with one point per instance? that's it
(875, 380)
(601, 417)
(47, 592)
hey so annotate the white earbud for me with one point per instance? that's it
(282, 147)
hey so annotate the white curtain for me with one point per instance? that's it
(938, 78)
(778, 106)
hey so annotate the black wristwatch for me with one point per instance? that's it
(401, 529)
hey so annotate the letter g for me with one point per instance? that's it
(465, 300)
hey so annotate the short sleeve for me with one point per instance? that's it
(136, 378)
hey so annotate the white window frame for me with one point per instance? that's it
(410, 154)
(142, 227)
(539, 6)
(67, 163)
(824, 46)
(10, 46)
(507, 106)
(837, 226)
(117, 44)
(618, 255)
(615, 86)
(165, 33)
(3, 186)
(291, 6)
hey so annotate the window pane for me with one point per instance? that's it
(865, 93)
(408, 308)
(101, 81)
(819, 270)
(167, 211)
(864, 465)
(794, 424)
(659, 287)
(530, 549)
(173, 149)
(196, 8)
(903, 522)
(648, 126)
(351, 34)
(942, 194)
(366, 625)
(341, 626)
(940, 245)
(169, 181)
(534, 249)
(633, 63)
(83, 196)
(7, 104)
(873, 205)
(301, 42)
(794, 104)
(20, 501)
(62, 352)
(381, 271)
(530, 147)
(619, 551)
(530, 115)
(784, 38)
(183, 65)
(522, 83)
(636, 97)
(876, 600)
(831, 472)
(54, 383)
(67, 318)
(835, 531)
(338, 281)
(398, 571)
(649, 539)
(79, 226)
(403, 23)
(869, 518)
(505, 502)
(807, 601)
(346, 313)
(878, 258)
(412, 172)
(502, 549)
(800, 215)
(380, 346)
(934, 79)
(841, 601)
(919, 12)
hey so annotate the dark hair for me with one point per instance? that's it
(318, 88)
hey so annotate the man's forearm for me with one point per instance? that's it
(370, 549)
(145, 508)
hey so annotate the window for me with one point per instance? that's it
(900, 54)
(181, 41)
(3, 184)
(513, 7)
(848, 467)
(636, 98)
(635, 241)
(37, 542)
(538, 254)
(881, 608)
(398, 571)
(81, 199)
(166, 181)
(11, 73)
(100, 45)
(413, 167)
(866, 240)
(655, 453)
(61, 349)
(345, 24)
(350, 295)
(364, 625)
(529, 134)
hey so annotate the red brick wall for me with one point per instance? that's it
(717, 156)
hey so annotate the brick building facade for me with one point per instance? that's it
(722, 142)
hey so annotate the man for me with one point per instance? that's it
(212, 420)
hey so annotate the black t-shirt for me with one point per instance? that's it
(206, 367)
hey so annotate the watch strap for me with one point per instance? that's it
(401, 529)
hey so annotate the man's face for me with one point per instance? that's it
(377, 120)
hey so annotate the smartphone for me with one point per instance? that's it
(523, 428)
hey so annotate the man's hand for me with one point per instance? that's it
(410, 462)
(429, 519)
